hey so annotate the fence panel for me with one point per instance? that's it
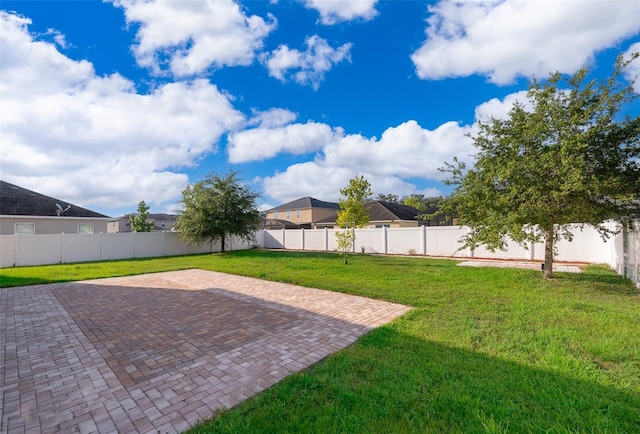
(80, 247)
(38, 249)
(148, 244)
(7, 251)
(294, 239)
(368, 240)
(273, 239)
(315, 239)
(404, 241)
(445, 241)
(513, 251)
(587, 246)
(117, 246)
(332, 245)
(173, 245)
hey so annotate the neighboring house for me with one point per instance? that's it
(277, 224)
(384, 214)
(24, 211)
(304, 212)
(161, 222)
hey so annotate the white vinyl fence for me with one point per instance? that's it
(621, 252)
(19, 250)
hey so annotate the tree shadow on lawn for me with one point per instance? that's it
(393, 382)
(601, 279)
(11, 281)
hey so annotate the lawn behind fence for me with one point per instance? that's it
(484, 350)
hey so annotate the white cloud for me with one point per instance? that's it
(405, 151)
(310, 65)
(307, 179)
(262, 143)
(499, 109)
(632, 71)
(324, 182)
(93, 140)
(506, 39)
(335, 11)
(275, 117)
(194, 35)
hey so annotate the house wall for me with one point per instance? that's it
(307, 215)
(394, 224)
(52, 225)
(117, 226)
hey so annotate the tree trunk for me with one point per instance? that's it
(549, 239)
(222, 243)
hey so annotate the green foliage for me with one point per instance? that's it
(352, 213)
(562, 157)
(345, 240)
(139, 222)
(216, 208)
(391, 198)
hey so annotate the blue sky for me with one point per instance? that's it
(105, 104)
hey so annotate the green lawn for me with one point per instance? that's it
(484, 350)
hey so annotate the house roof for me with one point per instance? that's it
(279, 224)
(15, 200)
(387, 211)
(383, 211)
(306, 202)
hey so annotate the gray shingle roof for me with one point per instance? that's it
(383, 211)
(16, 200)
(306, 202)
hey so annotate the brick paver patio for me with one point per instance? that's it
(159, 352)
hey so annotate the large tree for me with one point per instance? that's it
(352, 213)
(216, 208)
(139, 221)
(564, 156)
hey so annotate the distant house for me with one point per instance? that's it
(24, 211)
(384, 214)
(161, 222)
(304, 212)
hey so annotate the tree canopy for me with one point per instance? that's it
(139, 221)
(564, 156)
(352, 213)
(216, 208)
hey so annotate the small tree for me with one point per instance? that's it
(562, 158)
(352, 213)
(216, 208)
(139, 221)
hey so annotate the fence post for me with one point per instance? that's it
(423, 240)
(302, 238)
(16, 251)
(532, 251)
(62, 247)
(384, 240)
(326, 239)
